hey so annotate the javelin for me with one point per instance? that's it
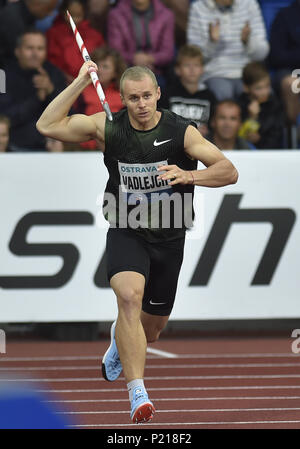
(92, 71)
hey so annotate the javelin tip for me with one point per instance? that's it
(107, 111)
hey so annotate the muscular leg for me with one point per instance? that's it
(130, 336)
(153, 325)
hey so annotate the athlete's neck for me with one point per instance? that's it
(145, 125)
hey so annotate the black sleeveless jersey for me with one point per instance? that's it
(134, 196)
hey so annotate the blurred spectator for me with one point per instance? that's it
(63, 50)
(31, 83)
(230, 33)
(143, 32)
(4, 134)
(261, 106)
(180, 9)
(225, 125)
(97, 14)
(47, 22)
(15, 18)
(285, 56)
(111, 66)
(184, 96)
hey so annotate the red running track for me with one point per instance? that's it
(204, 383)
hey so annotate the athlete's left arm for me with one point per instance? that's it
(219, 170)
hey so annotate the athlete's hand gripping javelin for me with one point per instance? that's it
(92, 72)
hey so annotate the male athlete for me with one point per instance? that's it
(148, 153)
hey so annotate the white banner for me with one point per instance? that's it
(241, 260)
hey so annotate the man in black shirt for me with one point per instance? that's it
(225, 124)
(17, 17)
(31, 83)
(138, 147)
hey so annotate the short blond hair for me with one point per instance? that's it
(137, 73)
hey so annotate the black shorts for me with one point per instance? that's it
(160, 264)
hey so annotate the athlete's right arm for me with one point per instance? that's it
(55, 122)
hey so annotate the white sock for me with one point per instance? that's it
(132, 385)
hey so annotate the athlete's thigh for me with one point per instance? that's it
(126, 252)
(165, 264)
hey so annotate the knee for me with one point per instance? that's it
(130, 297)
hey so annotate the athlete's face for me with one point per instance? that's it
(141, 98)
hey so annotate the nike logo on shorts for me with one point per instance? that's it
(156, 303)
(156, 144)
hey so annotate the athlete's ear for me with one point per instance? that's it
(158, 93)
(122, 99)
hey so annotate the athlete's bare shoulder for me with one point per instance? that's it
(99, 119)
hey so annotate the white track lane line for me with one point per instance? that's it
(104, 390)
(207, 410)
(165, 354)
(179, 356)
(199, 366)
(148, 425)
(226, 398)
(99, 379)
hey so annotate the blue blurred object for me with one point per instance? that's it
(46, 23)
(270, 8)
(21, 408)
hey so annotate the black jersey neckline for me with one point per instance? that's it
(147, 130)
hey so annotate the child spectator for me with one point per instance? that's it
(62, 47)
(111, 66)
(261, 110)
(4, 134)
(225, 124)
(184, 96)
